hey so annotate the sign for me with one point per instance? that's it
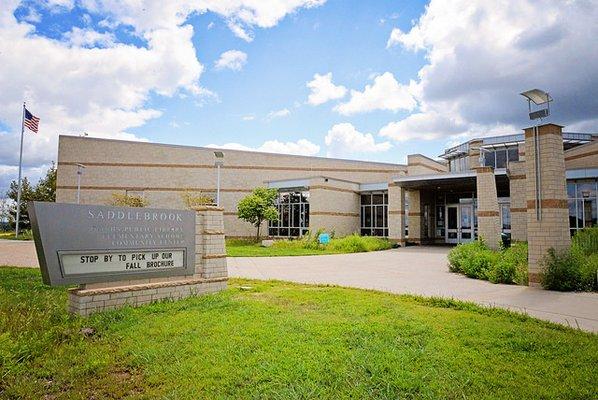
(85, 244)
(324, 238)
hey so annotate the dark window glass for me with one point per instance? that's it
(571, 190)
(366, 199)
(379, 217)
(489, 159)
(572, 214)
(586, 190)
(377, 198)
(501, 159)
(513, 154)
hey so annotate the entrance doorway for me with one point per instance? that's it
(459, 223)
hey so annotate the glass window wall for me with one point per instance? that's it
(374, 214)
(293, 214)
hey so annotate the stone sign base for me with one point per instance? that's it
(87, 301)
(210, 274)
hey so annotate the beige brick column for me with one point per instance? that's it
(415, 216)
(210, 250)
(489, 227)
(396, 213)
(517, 189)
(551, 229)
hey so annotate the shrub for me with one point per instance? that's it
(575, 268)
(195, 200)
(476, 260)
(126, 200)
(348, 244)
(586, 241)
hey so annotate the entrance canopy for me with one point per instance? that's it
(456, 181)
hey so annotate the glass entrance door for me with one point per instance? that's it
(466, 220)
(452, 224)
(459, 223)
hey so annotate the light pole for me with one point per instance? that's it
(218, 163)
(80, 168)
(539, 98)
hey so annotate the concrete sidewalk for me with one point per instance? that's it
(420, 271)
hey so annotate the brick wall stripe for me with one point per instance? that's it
(487, 213)
(516, 177)
(400, 212)
(244, 167)
(334, 214)
(516, 210)
(582, 155)
(154, 189)
(548, 203)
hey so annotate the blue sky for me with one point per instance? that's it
(393, 78)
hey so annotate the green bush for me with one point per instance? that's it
(348, 244)
(476, 260)
(576, 268)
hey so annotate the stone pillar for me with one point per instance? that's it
(551, 228)
(517, 189)
(489, 227)
(396, 213)
(210, 274)
(415, 217)
(210, 250)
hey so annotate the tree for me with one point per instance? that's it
(46, 187)
(258, 207)
(44, 190)
(27, 194)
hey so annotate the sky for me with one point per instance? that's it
(369, 80)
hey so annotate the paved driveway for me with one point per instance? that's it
(411, 270)
(420, 271)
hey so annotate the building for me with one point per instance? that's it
(478, 189)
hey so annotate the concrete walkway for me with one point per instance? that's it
(412, 270)
(420, 271)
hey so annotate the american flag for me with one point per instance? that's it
(31, 121)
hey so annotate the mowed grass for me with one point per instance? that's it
(284, 341)
(305, 246)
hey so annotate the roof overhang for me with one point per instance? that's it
(456, 181)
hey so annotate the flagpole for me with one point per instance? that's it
(20, 168)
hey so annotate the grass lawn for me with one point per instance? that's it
(284, 341)
(305, 246)
(27, 235)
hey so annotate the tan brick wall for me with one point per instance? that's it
(517, 188)
(396, 213)
(164, 172)
(210, 275)
(585, 156)
(334, 206)
(415, 216)
(489, 226)
(418, 164)
(553, 228)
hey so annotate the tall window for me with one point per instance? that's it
(500, 158)
(374, 214)
(582, 204)
(293, 214)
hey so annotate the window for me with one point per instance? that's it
(505, 217)
(500, 158)
(459, 164)
(293, 214)
(374, 214)
(582, 204)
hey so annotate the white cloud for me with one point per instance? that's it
(240, 32)
(231, 59)
(421, 126)
(344, 140)
(285, 112)
(384, 94)
(249, 117)
(89, 81)
(474, 71)
(301, 147)
(88, 37)
(323, 90)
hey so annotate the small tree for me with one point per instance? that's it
(258, 207)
